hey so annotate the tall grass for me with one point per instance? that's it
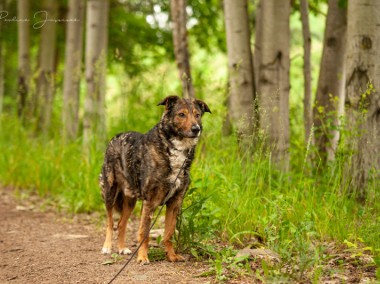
(49, 167)
(246, 193)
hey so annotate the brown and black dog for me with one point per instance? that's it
(153, 167)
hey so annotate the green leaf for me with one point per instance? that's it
(108, 262)
(194, 253)
(349, 244)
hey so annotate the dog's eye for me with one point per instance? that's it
(181, 114)
(197, 115)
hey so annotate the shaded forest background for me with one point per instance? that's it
(288, 160)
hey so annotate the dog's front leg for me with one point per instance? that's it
(172, 210)
(146, 218)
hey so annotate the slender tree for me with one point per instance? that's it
(96, 64)
(179, 18)
(46, 65)
(362, 93)
(329, 99)
(73, 67)
(257, 45)
(2, 8)
(23, 10)
(240, 69)
(308, 112)
(273, 77)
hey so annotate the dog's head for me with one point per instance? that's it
(182, 117)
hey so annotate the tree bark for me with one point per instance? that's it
(307, 112)
(47, 57)
(362, 93)
(240, 68)
(273, 78)
(23, 10)
(181, 51)
(257, 46)
(329, 98)
(94, 124)
(2, 8)
(73, 68)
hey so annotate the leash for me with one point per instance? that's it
(153, 223)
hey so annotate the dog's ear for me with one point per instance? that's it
(168, 102)
(203, 106)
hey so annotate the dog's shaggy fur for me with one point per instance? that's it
(153, 167)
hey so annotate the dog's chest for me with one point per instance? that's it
(177, 159)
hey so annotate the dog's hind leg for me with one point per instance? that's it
(172, 210)
(107, 246)
(128, 206)
(146, 218)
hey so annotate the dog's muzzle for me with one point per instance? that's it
(196, 130)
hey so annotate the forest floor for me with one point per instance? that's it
(39, 245)
(43, 246)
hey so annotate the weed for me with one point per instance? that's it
(114, 259)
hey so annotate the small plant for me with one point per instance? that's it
(114, 259)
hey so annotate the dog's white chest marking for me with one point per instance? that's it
(178, 155)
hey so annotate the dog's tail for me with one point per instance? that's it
(112, 196)
(119, 200)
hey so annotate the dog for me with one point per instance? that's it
(153, 167)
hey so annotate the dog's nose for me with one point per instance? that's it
(195, 128)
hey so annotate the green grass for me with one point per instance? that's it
(49, 167)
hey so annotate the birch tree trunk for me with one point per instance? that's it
(94, 124)
(257, 46)
(240, 69)
(181, 51)
(363, 93)
(307, 112)
(46, 77)
(329, 100)
(23, 10)
(73, 68)
(2, 8)
(273, 80)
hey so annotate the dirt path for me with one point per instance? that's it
(46, 247)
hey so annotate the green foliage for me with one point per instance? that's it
(133, 41)
(50, 167)
(114, 259)
(208, 29)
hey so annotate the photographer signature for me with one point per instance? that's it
(41, 17)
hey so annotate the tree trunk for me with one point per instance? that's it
(307, 112)
(23, 9)
(362, 93)
(273, 80)
(240, 69)
(46, 77)
(257, 46)
(73, 68)
(181, 51)
(2, 8)
(96, 63)
(329, 99)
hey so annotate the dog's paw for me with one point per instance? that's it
(125, 251)
(175, 257)
(106, 250)
(142, 259)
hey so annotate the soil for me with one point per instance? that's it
(40, 245)
(49, 247)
